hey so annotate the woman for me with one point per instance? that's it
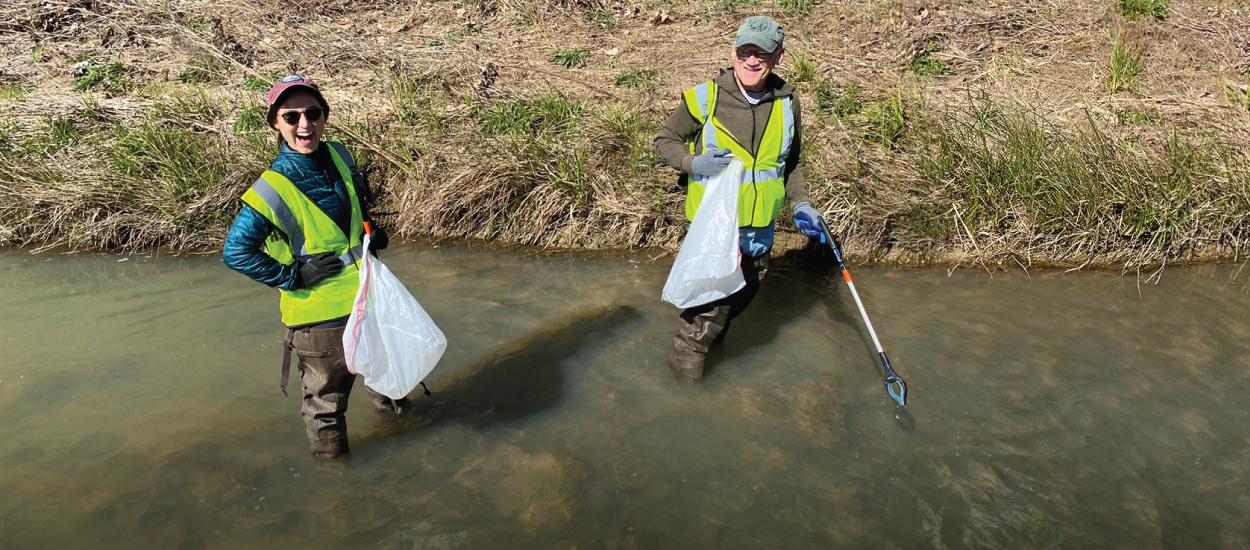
(300, 231)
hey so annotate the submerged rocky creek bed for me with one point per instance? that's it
(1048, 410)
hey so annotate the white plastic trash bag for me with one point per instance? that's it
(708, 266)
(389, 339)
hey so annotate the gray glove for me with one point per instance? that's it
(711, 163)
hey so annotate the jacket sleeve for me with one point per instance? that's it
(680, 128)
(244, 251)
(796, 186)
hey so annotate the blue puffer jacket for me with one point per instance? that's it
(316, 176)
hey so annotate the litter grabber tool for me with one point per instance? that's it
(894, 384)
(360, 181)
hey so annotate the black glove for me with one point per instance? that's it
(378, 239)
(321, 267)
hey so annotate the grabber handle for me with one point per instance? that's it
(827, 237)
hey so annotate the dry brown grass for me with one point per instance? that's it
(441, 175)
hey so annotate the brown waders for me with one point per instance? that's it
(702, 326)
(327, 384)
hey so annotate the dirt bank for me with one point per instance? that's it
(1058, 132)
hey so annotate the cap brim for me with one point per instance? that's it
(769, 46)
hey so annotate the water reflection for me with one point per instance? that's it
(1055, 411)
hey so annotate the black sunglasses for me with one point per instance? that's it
(759, 54)
(292, 117)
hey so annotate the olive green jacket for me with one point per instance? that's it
(742, 120)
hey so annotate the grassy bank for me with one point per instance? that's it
(1075, 133)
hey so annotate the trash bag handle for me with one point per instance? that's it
(358, 306)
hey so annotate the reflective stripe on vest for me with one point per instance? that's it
(346, 157)
(763, 187)
(306, 232)
(285, 219)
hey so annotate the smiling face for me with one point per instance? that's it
(304, 136)
(752, 65)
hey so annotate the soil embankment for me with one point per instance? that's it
(1075, 132)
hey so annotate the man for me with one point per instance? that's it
(300, 231)
(749, 113)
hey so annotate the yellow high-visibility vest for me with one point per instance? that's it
(763, 176)
(306, 231)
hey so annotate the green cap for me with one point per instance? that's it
(762, 31)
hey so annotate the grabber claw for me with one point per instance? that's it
(899, 396)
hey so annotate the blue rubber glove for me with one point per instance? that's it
(711, 163)
(809, 221)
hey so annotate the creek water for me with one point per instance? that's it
(1083, 410)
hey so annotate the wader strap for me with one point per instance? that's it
(286, 358)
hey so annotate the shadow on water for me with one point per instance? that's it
(760, 324)
(521, 377)
(778, 303)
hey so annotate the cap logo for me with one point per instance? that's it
(759, 25)
(292, 78)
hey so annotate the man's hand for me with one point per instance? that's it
(711, 163)
(321, 267)
(809, 221)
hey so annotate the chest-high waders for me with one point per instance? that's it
(760, 197)
(304, 231)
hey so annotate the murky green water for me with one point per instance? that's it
(140, 410)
